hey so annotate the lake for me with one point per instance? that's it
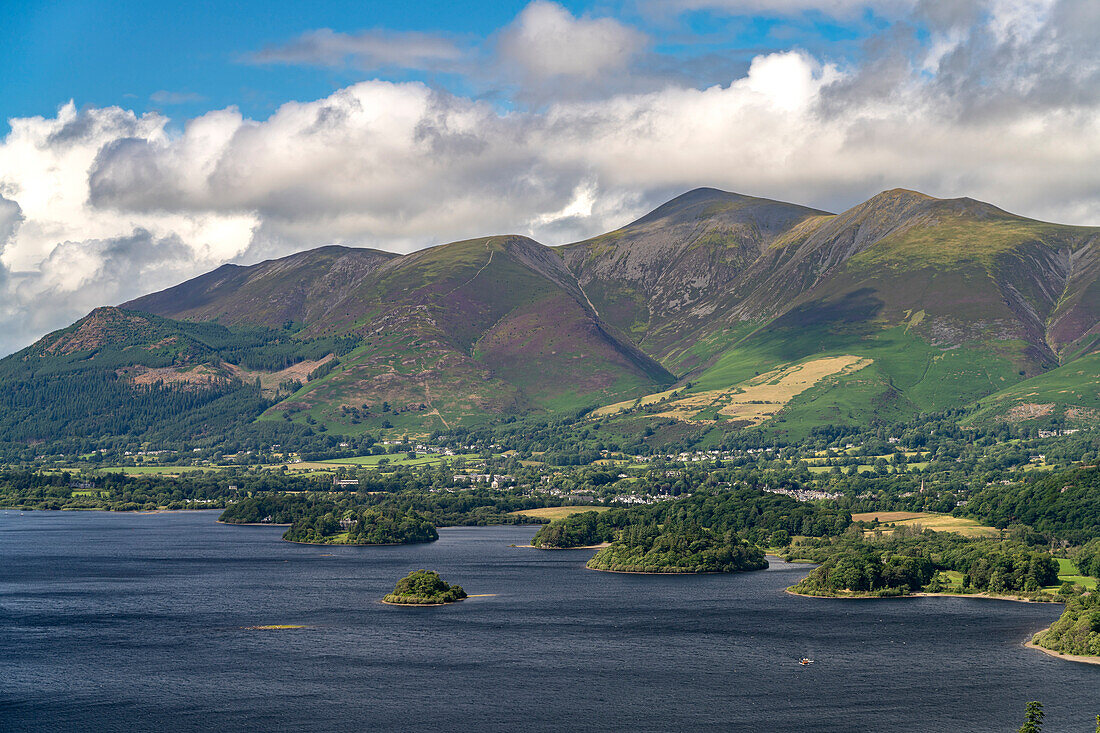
(123, 622)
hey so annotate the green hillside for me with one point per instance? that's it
(1068, 395)
(124, 373)
(950, 300)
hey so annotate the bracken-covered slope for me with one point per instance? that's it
(302, 288)
(449, 334)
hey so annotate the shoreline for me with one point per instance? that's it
(643, 572)
(582, 547)
(252, 524)
(1030, 644)
(983, 596)
(351, 544)
(425, 605)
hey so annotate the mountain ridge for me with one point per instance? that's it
(942, 301)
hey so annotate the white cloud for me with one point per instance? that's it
(546, 41)
(63, 254)
(373, 49)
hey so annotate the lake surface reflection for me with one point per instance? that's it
(113, 622)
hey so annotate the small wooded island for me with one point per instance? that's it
(366, 527)
(424, 588)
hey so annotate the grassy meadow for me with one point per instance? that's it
(558, 512)
(928, 520)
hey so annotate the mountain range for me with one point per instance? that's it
(713, 313)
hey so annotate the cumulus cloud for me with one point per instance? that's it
(546, 41)
(61, 254)
(101, 205)
(371, 50)
(10, 217)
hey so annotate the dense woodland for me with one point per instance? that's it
(366, 527)
(904, 562)
(1077, 631)
(581, 530)
(763, 519)
(1088, 559)
(680, 546)
(1065, 505)
(465, 508)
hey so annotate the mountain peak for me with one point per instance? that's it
(905, 202)
(707, 202)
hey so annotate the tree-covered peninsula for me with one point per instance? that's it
(366, 527)
(679, 547)
(580, 530)
(1077, 630)
(854, 565)
(424, 588)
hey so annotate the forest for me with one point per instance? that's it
(904, 562)
(365, 527)
(1077, 631)
(1065, 505)
(465, 508)
(761, 518)
(680, 546)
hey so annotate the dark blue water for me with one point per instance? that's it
(112, 622)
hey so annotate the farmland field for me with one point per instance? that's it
(928, 520)
(559, 512)
(753, 400)
(1067, 572)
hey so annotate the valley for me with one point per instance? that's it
(904, 393)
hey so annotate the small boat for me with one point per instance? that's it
(805, 661)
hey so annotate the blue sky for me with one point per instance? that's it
(146, 143)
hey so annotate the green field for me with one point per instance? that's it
(1067, 572)
(907, 374)
(954, 578)
(1068, 391)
